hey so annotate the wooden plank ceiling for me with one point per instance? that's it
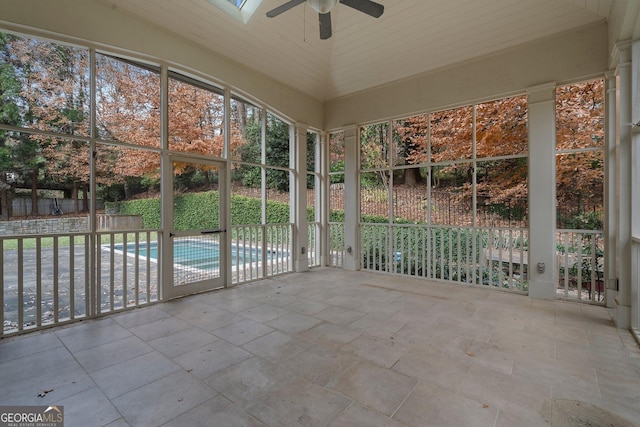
(411, 37)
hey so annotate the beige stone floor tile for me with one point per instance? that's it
(381, 351)
(159, 328)
(416, 313)
(276, 346)
(518, 395)
(358, 415)
(432, 367)
(242, 331)
(430, 405)
(425, 335)
(123, 377)
(89, 408)
(299, 403)
(213, 318)
(237, 304)
(17, 347)
(45, 388)
(163, 400)
(215, 412)
(345, 301)
(330, 333)
(249, 380)
(205, 361)
(378, 324)
(620, 389)
(506, 419)
(292, 323)
(120, 422)
(339, 315)
(92, 334)
(280, 299)
(355, 348)
(264, 313)
(375, 387)
(468, 328)
(321, 363)
(141, 316)
(304, 306)
(523, 343)
(482, 354)
(561, 375)
(34, 365)
(104, 355)
(182, 342)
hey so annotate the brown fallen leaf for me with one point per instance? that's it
(485, 406)
(471, 354)
(43, 393)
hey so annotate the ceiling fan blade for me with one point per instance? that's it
(325, 25)
(284, 7)
(369, 7)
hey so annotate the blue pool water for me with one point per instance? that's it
(199, 254)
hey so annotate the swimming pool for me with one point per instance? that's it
(203, 255)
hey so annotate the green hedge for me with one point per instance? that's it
(188, 209)
(149, 209)
(244, 210)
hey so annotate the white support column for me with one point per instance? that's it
(610, 204)
(225, 190)
(322, 196)
(165, 284)
(635, 184)
(635, 139)
(352, 200)
(622, 302)
(299, 197)
(542, 191)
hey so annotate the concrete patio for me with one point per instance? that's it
(334, 348)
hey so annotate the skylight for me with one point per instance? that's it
(237, 3)
(242, 10)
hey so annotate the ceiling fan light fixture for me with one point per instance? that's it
(322, 6)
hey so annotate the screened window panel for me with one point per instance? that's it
(580, 190)
(127, 102)
(277, 142)
(246, 132)
(374, 146)
(45, 85)
(374, 197)
(277, 196)
(128, 182)
(336, 151)
(580, 115)
(451, 135)
(451, 201)
(502, 193)
(411, 140)
(501, 127)
(246, 194)
(196, 119)
(410, 203)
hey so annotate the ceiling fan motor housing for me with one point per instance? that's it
(322, 6)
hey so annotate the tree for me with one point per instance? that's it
(48, 87)
(276, 154)
(580, 128)
(374, 151)
(196, 119)
(501, 130)
(9, 115)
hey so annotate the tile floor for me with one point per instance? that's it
(333, 348)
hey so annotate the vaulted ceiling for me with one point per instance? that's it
(412, 36)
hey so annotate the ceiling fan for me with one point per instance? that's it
(323, 7)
